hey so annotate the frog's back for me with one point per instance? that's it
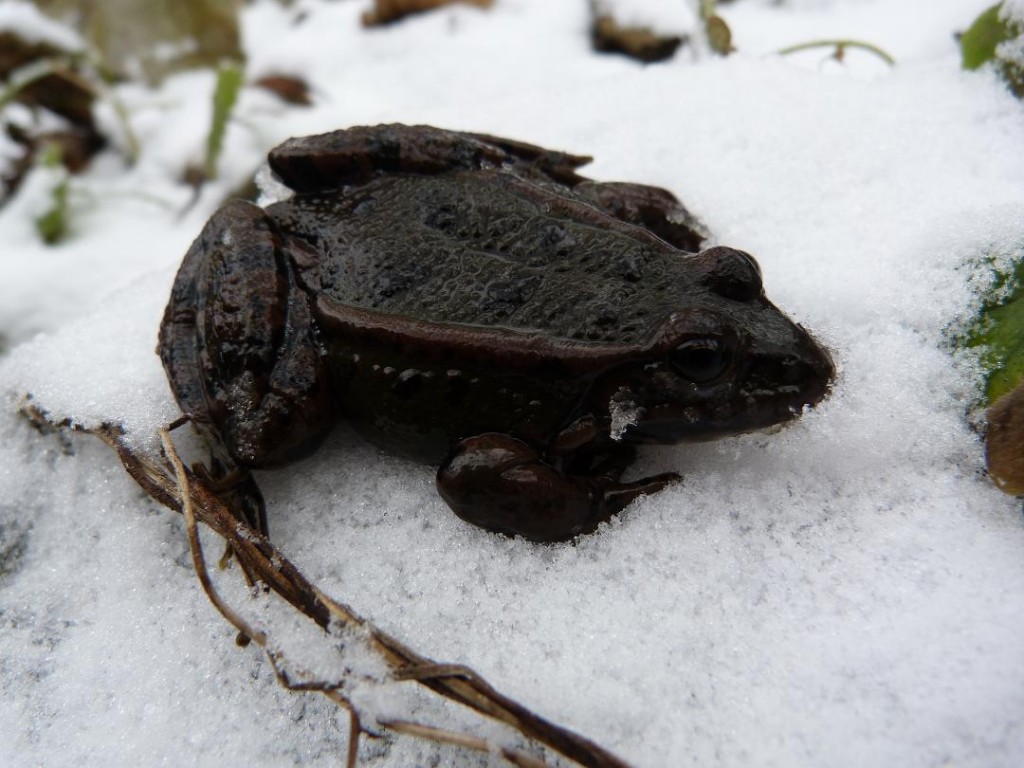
(508, 253)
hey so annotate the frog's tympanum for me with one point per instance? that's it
(473, 302)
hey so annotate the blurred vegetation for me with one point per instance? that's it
(718, 34)
(997, 38)
(52, 224)
(122, 40)
(155, 38)
(998, 333)
(44, 78)
(229, 81)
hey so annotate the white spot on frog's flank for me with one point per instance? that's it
(624, 413)
(676, 216)
(272, 190)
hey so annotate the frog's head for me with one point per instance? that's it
(731, 362)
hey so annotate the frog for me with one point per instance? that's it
(474, 303)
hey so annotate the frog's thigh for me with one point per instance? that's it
(298, 406)
(264, 382)
(653, 208)
(502, 484)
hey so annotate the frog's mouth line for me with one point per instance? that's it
(672, 423)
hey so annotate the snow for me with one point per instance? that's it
(25, 20)
(1012, 9)
(847, 591)
(665, 18)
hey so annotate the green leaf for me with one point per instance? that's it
(52, 225)
(229, 81)
(978, 44)
(999, 333)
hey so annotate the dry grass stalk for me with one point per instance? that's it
(175, 486)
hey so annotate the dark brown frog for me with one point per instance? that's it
(473, 302)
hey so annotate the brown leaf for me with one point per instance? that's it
(288, 88)
(62, 92)
(639, 43)
(1004, 442)
(389, 11)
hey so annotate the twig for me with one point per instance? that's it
(840, 45)
(194, 544)
(514, 756)
(181, 490)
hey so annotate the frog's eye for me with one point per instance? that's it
(731, 273)
(700, 360)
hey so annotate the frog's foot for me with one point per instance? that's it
(502, 484)
(238, 490)
(655, 209)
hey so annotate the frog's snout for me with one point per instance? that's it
(800, 373)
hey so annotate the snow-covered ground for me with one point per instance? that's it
(847, 592)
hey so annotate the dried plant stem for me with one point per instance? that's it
(180, 489)
(840, 45)
(514, 756)
(198, 558)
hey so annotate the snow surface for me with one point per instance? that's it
(846, 592)
(30, 25)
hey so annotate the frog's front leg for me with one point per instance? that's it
(502, 484)
(356, 155)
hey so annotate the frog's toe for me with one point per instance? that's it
(617, 496)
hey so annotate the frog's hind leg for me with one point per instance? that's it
(655, 209)
(238, 344)
(502, 484)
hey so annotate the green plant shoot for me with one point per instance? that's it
(229, 81)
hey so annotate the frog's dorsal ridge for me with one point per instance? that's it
(512, 349)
